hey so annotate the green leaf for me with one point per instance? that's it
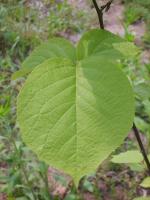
(142, 90)
(146, 183)
(128, 49)
(88, 186)
(136, 167)
(142, 198)
(74, 116)
(146, 104)
(56, 47)
(132, 156)
(141, 124)
(71, 197)
(98, 42)
(22, 72)
(10, 198)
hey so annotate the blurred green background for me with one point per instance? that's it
(24, 24)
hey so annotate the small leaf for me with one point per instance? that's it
(146, 183)
(71, 197)
(87, 185)
(22, 72)
(142, 198)
(141, 124)
(132, 156)
(142, 90)
(146, 104)
(137, 167)
(10, 198)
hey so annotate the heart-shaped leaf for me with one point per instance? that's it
(74, 112)
(74, 116)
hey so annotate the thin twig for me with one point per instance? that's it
(106, 7)
(137, 135)
(99, 13)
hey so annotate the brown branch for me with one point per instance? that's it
(106, 7)
(100, 11)
(137, 135)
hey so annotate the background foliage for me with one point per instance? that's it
(23, 25)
